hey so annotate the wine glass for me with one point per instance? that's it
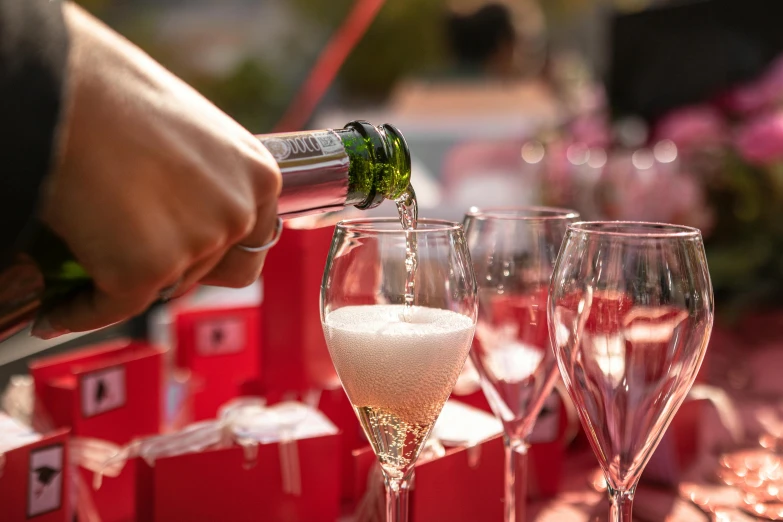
(630, 314)
(398, 362)
(513, 252)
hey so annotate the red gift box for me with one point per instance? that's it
(548, 441)
(294, 350)
(34, 481)
(110, 391)
(678, 448)
(295, 356)
(337, 408)
(221, 484)
(557, 423)
(220, 347)
(464, 485)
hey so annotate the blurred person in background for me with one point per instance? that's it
(496, 92)
(495, 39)
(482, 42)
(148, 183)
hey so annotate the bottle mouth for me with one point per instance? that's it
(402, 153)
(388, 147)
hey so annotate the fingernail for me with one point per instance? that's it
(43, 329)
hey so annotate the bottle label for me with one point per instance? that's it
(301, 145)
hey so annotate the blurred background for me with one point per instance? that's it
(656, 110)
(653, 110)
(623, 109)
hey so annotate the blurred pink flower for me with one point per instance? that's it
(760, 94)
(761, 140)
(660, 195)
(746, 99)
(591, 130)
(693, 127)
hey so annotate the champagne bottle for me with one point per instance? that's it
(322, 171)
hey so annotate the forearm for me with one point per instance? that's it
(33, 58)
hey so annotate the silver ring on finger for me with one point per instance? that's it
(269, 244)
(167, 293)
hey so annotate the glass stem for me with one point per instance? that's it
(397, 493)
(622, 504)
(516, 479)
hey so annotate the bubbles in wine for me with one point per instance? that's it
(397, 372)
(396, 443)
(406, 368)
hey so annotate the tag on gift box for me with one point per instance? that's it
(33, 471)
(102, 391)
(218, 341)
(220, 337)
(45, 485)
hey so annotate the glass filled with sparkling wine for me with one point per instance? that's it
(513, 252)
(630, 314)
(398, 308)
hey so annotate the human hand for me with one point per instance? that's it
(155, 185)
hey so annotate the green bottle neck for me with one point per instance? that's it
(380, 163)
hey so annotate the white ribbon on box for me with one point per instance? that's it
(17, 402)
(247, 422)
(460, 425)
(13, 435)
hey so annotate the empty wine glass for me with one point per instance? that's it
(513, 252)
(630, 313)
(398, 362)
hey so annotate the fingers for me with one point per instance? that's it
(239, 268)
(195, 274)
(89, 310)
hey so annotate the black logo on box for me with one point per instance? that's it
(45, 481)
(220, 336)
(103, 390)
